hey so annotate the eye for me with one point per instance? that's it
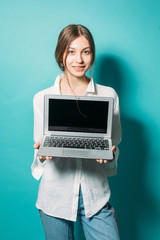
(86, 52)
(71, 52)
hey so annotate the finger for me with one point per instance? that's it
(114, 148)
(101, 161)
(42, 157)
(48, 157)
(105, 160)
(36, 145)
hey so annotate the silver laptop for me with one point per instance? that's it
(77, 128)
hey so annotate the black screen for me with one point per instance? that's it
(78, 116)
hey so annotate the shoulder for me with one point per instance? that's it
(42, 93)
(105, 91)
(38, 97)
(51, 90)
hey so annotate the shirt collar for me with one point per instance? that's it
(90, 88)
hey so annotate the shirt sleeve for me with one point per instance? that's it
(37, 166)
(111, 166)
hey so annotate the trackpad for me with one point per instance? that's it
(74, 153)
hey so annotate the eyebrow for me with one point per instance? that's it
(75, 48)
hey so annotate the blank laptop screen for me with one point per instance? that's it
(78, 116)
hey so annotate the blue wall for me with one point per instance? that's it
(127, 36)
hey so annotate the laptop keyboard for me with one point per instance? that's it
(83, 143)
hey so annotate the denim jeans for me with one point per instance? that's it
(102, 226)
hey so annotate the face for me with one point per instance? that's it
(79, 57)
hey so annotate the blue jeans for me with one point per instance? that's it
(102, 226)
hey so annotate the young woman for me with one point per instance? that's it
(75, 187)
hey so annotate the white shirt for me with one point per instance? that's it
(61, 177)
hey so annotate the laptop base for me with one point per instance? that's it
(76, 153)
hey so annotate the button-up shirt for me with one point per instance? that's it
(61, 177)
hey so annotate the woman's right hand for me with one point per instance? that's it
(36, 146)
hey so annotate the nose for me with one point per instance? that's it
(79, 58)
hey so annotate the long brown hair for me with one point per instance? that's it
(66, 36)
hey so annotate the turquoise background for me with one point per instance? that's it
(127, 37)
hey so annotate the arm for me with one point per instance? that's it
(111, 166)
(37, 165)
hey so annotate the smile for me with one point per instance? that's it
(79, 68)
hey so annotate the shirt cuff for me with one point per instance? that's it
(37, 166)
(111, 165)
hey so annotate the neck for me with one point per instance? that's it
(75, 82)
(71, 85)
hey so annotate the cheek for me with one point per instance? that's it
(88, 60)
(69, 60)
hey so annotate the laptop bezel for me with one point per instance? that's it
(80, 134)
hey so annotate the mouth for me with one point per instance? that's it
(79, 68)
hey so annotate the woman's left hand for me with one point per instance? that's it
(105, 160)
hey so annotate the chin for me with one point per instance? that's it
(75, 73)
(78, 74)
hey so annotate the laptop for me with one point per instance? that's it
(77, 127)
